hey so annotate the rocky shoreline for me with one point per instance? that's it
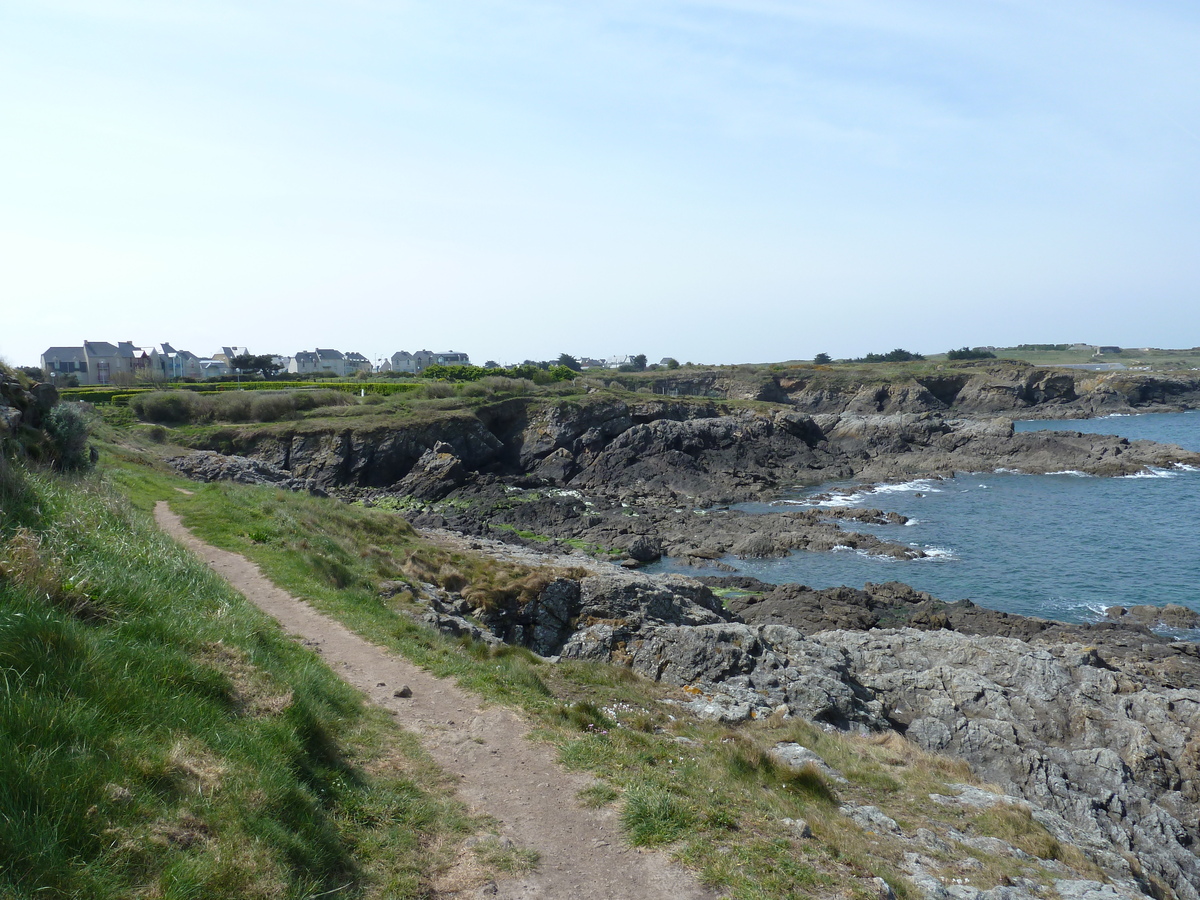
(1095, 728)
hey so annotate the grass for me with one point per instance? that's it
(709, 793)
(159, 737)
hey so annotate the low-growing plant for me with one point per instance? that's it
(652, 815)
(597, 795)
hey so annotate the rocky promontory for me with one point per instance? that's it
(1096, 728)
(647, 478)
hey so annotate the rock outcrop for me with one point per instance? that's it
(22, 407)
(1096, 728)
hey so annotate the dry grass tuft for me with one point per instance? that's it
(24, 562)
(254, 692)
(193, 768)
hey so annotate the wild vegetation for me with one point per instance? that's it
(159, 737)
(712, 794)
(182, 747)
(179, 407)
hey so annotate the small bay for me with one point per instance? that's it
(1061, 546)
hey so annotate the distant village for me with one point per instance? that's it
(99, 362)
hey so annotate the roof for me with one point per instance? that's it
(329, 354)
(99, 348)
(74, 354)
(306, 356)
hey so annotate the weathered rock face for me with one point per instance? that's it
(618, 600)
(435, 474)
(1116, 754)
(20, 407)
(369, 457)
(1101, 739)
(207, 466)
(984, 389)
(692, 453)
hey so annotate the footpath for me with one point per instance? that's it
(501, 772)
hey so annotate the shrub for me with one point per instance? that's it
(230, 407)
(438, 391)
(968, 353)
(68, 433)
(167, 407)
(502, 384)
(897, 355)
(273, 407)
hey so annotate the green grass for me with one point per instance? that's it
(159, 736)
(708, 793)
(653, 815)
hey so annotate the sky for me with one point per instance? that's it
(719, 181)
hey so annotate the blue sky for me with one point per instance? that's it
(716, 181)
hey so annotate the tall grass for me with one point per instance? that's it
(189, 407)
(158, 737)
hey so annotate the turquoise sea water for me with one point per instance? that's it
(1061, 546)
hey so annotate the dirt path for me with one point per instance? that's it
(502, 774)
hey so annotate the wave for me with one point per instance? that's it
(853, 498)
(939, 553)
(1088, 610)
(1075, 473)
(1184, 467)
(1153, 472)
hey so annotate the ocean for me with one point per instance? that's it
(1063, 546)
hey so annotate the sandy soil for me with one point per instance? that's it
(502, 773)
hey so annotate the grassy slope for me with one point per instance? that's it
(161, 738)
(710, 791)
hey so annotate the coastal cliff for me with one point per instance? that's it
(1092, 729)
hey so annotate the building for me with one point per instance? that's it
(415, 363)
(60, 363)
(303, 363)
(356, 362)
(327, 361)
(229, 354)
(99, 362)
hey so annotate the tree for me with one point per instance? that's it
(263, 363)
(491, 364)
(822, 359)
(639, 362)
(671, 362)
(566, 359)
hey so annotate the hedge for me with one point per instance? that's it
(120, 396)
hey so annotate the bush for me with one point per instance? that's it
(437, 391)
(897, 355)
(167, 407)
(968, 353)
(68, 433)
(187, 407)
